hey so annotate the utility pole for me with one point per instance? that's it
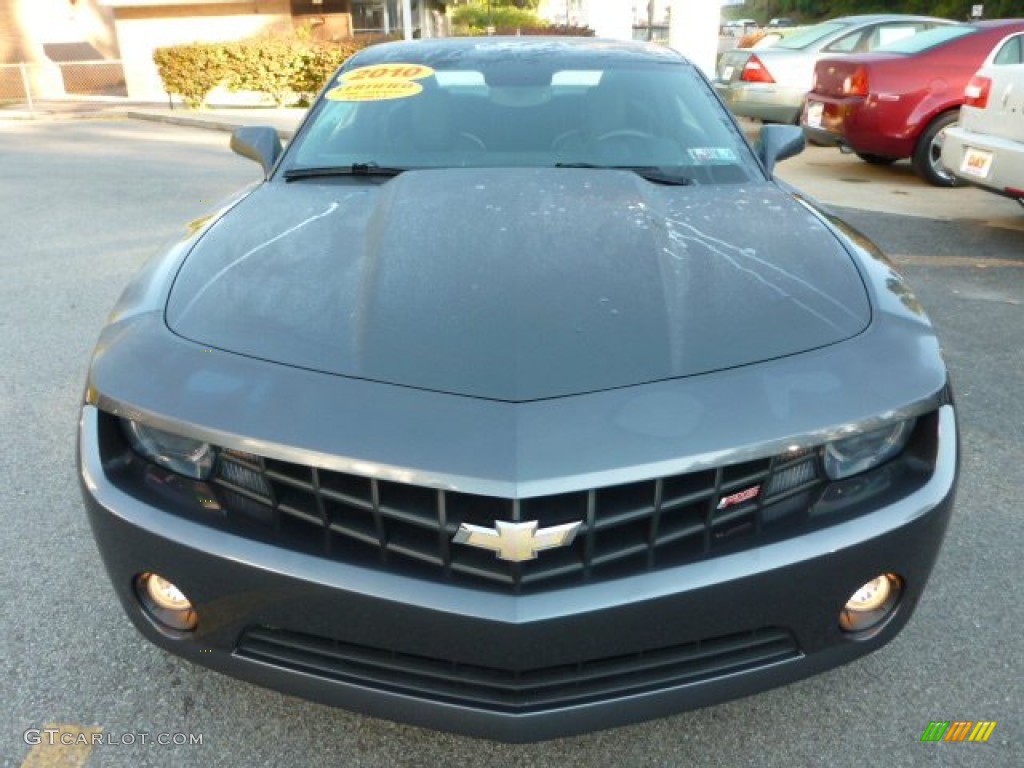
(693, 31)
(407, 19)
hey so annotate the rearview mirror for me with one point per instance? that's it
(257, 142)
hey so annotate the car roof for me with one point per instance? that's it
(987, 23)
(577, 51)
(869, 17)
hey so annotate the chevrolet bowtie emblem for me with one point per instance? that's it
(516, 541)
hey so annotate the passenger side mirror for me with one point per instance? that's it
(257, 142)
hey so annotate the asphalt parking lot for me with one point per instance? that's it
(86, 201)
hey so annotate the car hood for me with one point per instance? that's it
(517, 284)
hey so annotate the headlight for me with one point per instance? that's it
(853, 455)
(183, 455)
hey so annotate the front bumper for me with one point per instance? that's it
(518, 667)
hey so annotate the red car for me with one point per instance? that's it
(897, 101)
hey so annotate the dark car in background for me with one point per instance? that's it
(771, 83)
(898, 101)
(480, 412)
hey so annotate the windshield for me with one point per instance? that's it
(810, 36)
(460, 111)
(930, 38)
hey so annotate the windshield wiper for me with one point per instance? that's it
(356, 169)
(650, 172)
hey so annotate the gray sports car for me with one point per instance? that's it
(519, 400)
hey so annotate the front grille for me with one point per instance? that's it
(625, 529)
(522, 690)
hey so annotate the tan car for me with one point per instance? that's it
(986, 147)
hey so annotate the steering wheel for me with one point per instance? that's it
(470, 138)
(626, 133)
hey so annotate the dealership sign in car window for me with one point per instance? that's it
(375, 83)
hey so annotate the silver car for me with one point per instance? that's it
(770, 83)
(986, 147)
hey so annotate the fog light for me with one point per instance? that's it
(165, 602)
(872, 604)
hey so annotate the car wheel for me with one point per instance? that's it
(927, 159)
(867, 157)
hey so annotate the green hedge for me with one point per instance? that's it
(191, 71)
(294, 68)
(477, 18)
(288, 69)
(474, 20)
(550, 30)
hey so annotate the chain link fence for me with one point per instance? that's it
(30, 82)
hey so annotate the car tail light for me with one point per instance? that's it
(754, 71)
(857, 83)
(977, 91)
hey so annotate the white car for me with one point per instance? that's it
(986, 147)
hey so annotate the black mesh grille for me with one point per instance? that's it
(521, 690)
(625, 528)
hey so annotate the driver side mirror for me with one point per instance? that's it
(779, 142)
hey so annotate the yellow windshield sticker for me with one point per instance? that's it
(388, 72)
(374, 90)
(379, 82)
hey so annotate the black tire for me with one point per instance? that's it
(927, 159)
(870, 159)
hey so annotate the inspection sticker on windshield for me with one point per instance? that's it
(712, 155)
(379, 82)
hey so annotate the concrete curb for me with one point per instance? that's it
(21, 114)
(226, 125)
(208, 120)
